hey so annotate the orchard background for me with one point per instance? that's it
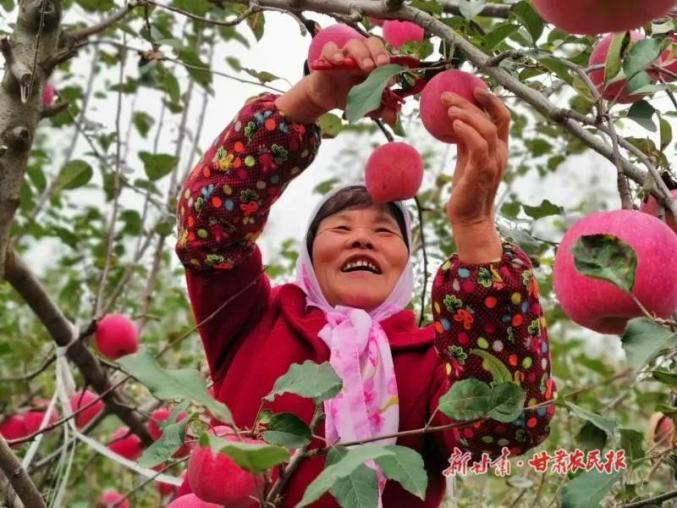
(88, 185)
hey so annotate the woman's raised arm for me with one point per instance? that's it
(485, 297)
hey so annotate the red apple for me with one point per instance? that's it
(116, 336)
(48, 94)
(207, 471)
(339, 34)
(126, 444)
(33, 420)
(13, 427)
(397, 33)
(593, 17)
(434, 113)
(83, 400)
(651, 207)
(376, 21)
(112, 498)
(600, 305)
(618, 89)
(161, 415)
(191, 501)
(393, 172)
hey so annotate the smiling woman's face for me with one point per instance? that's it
(358, 255)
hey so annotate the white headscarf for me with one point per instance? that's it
(368, 404)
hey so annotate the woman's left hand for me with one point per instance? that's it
(481, 161)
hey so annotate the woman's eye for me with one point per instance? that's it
(342, 228)
(383, 230)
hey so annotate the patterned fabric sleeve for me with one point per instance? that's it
(222, 209)
(224, 203)
(493, 311)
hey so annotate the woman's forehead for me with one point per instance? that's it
(375, 212)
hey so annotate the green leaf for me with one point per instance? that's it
(494, 365)
(468, 399)
(644, 339)
(507, 402)
(74, 174)
(359, 489)
(324, 187)
(666, 133)
(308, 380)
(257, 23)
(528, 17)
(641, 56)
(331, 125)
(197, 69)
(612, 65)
(641, 112)
(632, 442)
(253, 457)
(471, 8)
(431, 6)
(143, 122)
(287, 430)
(405, 467)
(555, 65)
(179, 384)
(545, 209)
(591, 437)
(132, 220)
(158, 165)
(172, 438)
(605, 424)
(342, 469)
(366, 96)
(8, 5)
(198, 7)
(588, 490)
(664, 376)
(608, 258)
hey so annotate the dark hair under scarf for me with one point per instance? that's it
(355, 196)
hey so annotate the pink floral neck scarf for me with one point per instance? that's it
(368, 404)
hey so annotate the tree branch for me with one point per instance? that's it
(81, 35)
(489, 11)
(18, 478)
(63, 333)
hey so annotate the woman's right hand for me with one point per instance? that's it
(329, 89)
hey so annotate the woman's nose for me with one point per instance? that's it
(360, 237)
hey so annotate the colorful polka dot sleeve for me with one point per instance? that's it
(492, 311)
(225, 201)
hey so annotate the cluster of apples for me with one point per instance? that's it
(394, 171)
(594, 17)
(24, 424)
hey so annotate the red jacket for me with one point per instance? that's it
(255, 337)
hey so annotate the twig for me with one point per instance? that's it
(217, 22)
(295, 460)
(27, 377)
(190, 66)
(79, 36)
(489, 11)
(421, 226)
(116, 190)
(658, 500)
(18, 478)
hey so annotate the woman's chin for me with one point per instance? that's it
(361, 301)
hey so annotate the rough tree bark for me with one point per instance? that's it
(18, 478)
(35, 41)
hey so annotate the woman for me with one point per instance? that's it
(354, 281)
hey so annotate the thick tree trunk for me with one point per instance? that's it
(34, 42)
